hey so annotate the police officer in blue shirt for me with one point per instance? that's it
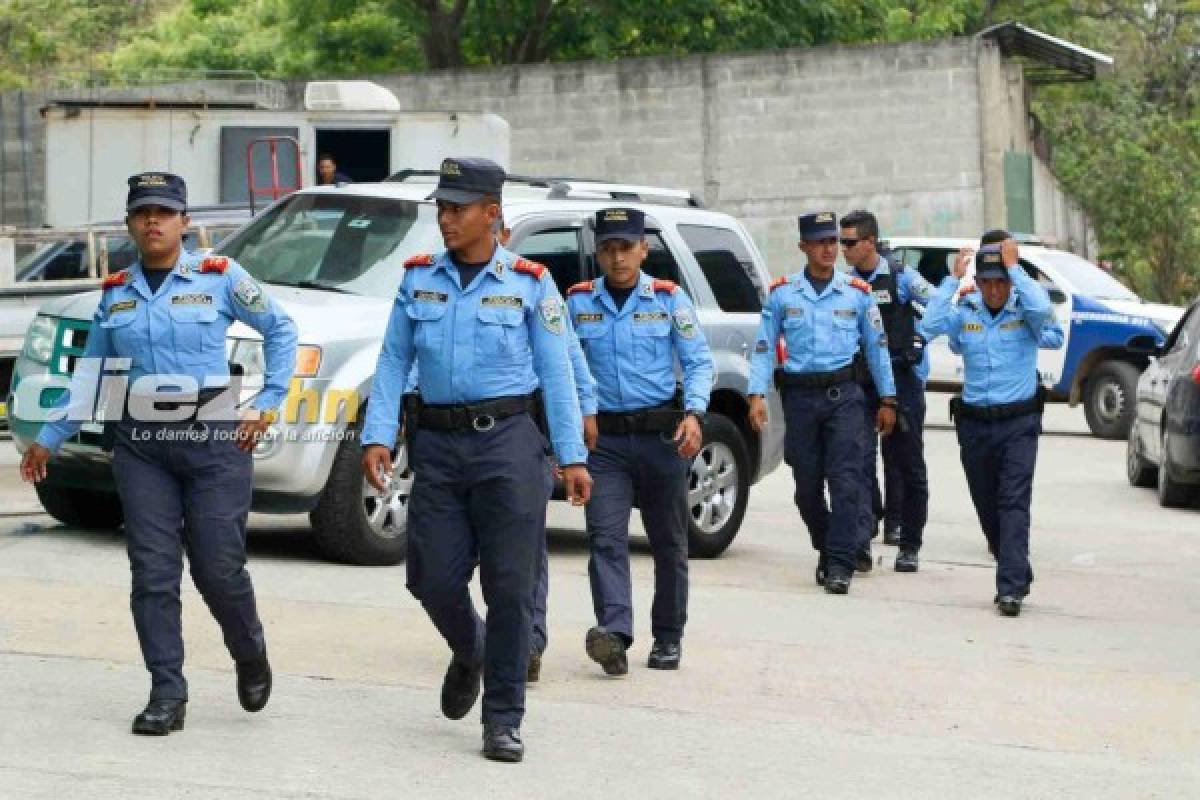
(182, 452)
(487, 329)
(825, 317)
(895, 292)
(633, 330)
(998, 329)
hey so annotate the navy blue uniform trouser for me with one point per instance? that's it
(998, 457)
(823, 444)
(645, 469)
(480, 498)
(540, 636)
(904, 456)
(178, 495)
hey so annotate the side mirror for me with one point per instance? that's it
(1144, 345)
(1057, 296)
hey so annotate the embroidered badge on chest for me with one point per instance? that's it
(1011, 325)
(192, 300)
(845, 313)
(250, 295)
(124, 305)
(972, 327)
(503, 301)
(685, 323)
(589, 317)
(650, 316)
(792, 311)
(426, 296)
(551, 313)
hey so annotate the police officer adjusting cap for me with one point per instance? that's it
(989, 263)
(156, 189)
(620, 223)
(821, 225)
(468, 180)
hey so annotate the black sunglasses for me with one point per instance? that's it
(849, 242)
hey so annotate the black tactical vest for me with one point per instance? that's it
(899, 322)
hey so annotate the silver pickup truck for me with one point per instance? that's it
(333, 257)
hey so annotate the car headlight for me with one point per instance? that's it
(39, 340)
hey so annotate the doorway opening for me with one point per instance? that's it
(360, 155)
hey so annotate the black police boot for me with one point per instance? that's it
(664, 655)
(906, 560)
(608, 650)
(862, 559)
(503, 743)
(837, 581)
(460, 688)
(160, 717)
(821, 567)
(1009, 604)
(891, 536)
(254, 683)
(534, 670)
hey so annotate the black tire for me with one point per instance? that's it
(1138, 470)
(718, 488)
(350, 523)
(1109, 399)
(1171, 493)
(81, 508)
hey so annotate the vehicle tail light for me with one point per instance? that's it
(781, 352)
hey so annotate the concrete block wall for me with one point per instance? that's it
(23, 162)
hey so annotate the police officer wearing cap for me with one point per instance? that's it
(998, 329)
(895, 292)
(182, 450)
(634, 329)
(825, 317)
(486, 329)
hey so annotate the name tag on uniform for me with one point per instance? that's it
(589, 317)
(793, 312)
(505, 301)
(192, 300)
(845, 313)
(424, 296)
(882, 296)
(1011, 325)
(650, 316)
(124, 305)
(972, 327)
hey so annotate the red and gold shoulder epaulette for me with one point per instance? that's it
(579, 288)
(669, 287)
(421, 260)
(115, 279)
(529, 268)
(217, 264)
(861, 285)
(777, 283)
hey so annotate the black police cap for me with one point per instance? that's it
(989, 262)
(620, 223)
(156, 189)
(818, 226)
(468, 180)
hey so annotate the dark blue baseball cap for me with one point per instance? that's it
(989, 262)
(467, 180)
(821, 225)
(156, 189)
(620, 223)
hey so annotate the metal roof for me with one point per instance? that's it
(1048, 59)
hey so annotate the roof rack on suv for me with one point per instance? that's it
(581, 189)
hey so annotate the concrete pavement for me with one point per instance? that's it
(911, 686)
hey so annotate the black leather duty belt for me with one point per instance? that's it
(481, 416)
(997, 412)
(657, 419)
(814, 380)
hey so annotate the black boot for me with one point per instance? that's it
(254, 682)
(160, 717)
(1009, 604)
(460, 688)
(665, 655)
(891, 536)
(503, 743)
(906, 560)
(608, 650)
(838, 581)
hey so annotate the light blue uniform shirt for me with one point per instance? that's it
(180, 330)
(822, 332)
(632, 351)
(494, 338)
(999, 352)
(911, 289)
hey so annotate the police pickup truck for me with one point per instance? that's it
(1108, 329)
(333, 257)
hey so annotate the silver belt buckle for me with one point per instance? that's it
(834, 393)
(483, 423)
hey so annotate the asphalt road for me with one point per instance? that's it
(910, 687)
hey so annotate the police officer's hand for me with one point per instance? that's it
(591, 433)
(961, 262)
(33, 463)
(758, 413)
(250, 431)
(376, 465)
(1009, 252)
(577, 484)
(885, 419)
(690, 436)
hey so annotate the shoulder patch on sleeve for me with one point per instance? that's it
(115, 279)
(670, 287)
(419, 260)
(529, 268)
(217, 264)
(580, 288)
(861, 285)
(777, 283)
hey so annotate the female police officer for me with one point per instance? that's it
(183, 466)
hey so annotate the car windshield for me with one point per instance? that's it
(1085, 277)
(337, 241)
